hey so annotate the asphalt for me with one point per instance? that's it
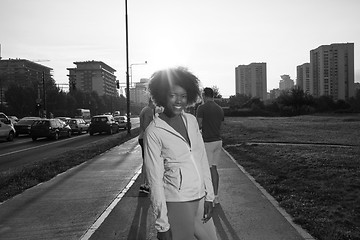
(92, 201)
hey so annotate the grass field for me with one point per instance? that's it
(309, 164)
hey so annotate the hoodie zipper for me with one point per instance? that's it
(189, 147)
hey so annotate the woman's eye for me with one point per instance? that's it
(177, 96)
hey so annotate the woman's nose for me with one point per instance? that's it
(178, 99)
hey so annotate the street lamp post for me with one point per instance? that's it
(131, 70)
(127, 72)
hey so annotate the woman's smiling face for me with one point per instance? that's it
(177, 101)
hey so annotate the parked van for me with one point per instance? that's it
(7, 129)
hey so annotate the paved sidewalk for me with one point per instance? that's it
(245, 212)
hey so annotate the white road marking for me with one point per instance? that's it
(108, 210)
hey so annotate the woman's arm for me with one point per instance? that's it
(154, 165)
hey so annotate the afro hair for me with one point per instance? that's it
(161, 81)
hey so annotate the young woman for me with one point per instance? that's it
(175, 159)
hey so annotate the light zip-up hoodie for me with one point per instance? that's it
(176, 170)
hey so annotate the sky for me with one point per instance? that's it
(209, 37)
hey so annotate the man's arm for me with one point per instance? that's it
(199, 122)
(199, 116)
(147, 119)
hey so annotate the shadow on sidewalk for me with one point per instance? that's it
(224, 228)
(142, 224)
(139, 225)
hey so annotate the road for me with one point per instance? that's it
(25, 151)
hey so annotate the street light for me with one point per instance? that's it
(144, 63)
(127, 72)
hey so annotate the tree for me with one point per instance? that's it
(21, 101)
(235, 102)
(355, 101)
(294, 101)
(324, 103)
(57, 102)
(216, 92)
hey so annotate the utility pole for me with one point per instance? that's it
(127, 72)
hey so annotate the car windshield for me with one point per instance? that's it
(41, 122)
(99, 119)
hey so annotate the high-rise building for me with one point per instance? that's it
(286, 82)
(139, 94)
(251, 80)
(332, 71)
(24, 73)
(303, 77)
(91, 76)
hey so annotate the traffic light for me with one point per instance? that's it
(117, 84)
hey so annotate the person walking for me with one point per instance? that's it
(210, 117)
(181, 192)
(146, 116)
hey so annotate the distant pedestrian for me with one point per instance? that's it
(210, 117)
(146, 116)
(177, 168)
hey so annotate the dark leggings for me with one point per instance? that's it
(141, 143)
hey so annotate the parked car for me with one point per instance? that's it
(116, 113)
(78, 125)
(103, 123)
(122, 121)
(24, 124)
(49, 128)
(4, 118)
(13, 119)
(64, 119)
(7, 129)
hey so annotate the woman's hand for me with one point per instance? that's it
(164, 235)
(208, 211)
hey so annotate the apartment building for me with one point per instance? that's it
(303, 77)
(139, 94)
(251, 80)
(24, 73)
(91, 76)
(286, 82)
(332, 71)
